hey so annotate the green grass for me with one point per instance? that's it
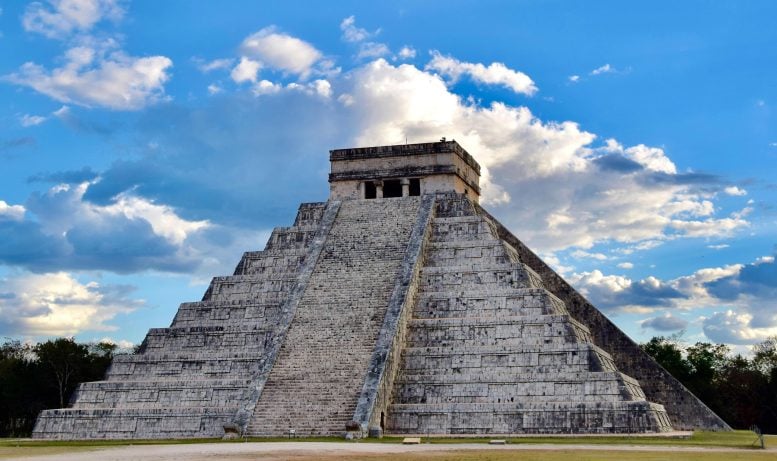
(732, 439)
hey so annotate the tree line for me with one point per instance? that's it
(741, 390)
(34, 377)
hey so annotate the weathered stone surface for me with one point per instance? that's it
(407, 315)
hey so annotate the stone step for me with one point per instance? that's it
(517, 387)
(482, 303)
(337, 321)
(137, 423)
(461, 277)
(458, 358)
(527, 418)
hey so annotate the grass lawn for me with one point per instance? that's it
(745, 440)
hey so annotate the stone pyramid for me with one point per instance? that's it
(399, 306)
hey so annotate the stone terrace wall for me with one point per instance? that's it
(685, 410)
(192, 378)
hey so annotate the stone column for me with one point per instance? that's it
(405, 186)
(378, 189)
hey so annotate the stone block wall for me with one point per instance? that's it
(191, 379)
(489, 350)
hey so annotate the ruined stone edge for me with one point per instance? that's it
(288, 309)
(384, 362)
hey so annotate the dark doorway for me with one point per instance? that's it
(415, 186)
(392, 188)
(382, 421)
(369, 189)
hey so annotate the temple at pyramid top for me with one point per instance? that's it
(403, 170)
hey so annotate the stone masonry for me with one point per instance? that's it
(398, 306)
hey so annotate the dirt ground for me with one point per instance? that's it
(329, 451)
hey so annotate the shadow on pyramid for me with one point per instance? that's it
(399, 306)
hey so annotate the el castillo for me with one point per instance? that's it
(398, 306)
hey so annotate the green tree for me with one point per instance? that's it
(65, 360)
(667, 352)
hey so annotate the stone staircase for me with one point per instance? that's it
(189, 380)
(489, 351)
(316, 380)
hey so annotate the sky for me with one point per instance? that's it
(145, 145)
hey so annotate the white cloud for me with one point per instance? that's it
(605, 69)
(574, 78)
(61, 18)
(99, 77)
(742, 295)
(323, 88)
(406, 52)
(732, 327)
(58, 304)
(581, 195)
(495, 74)
(369, 50)
(585, 254)
(351, 33)
(246, 70)
(266, 87)
(12, 212)
(626, 265)
(214, 89)
(718, 246)
(722, 227)
(281, 51)
(31, 120)
(216, 64)
(734, 191)
(666, 322)
(163, 219)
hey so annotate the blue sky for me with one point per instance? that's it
(146, 145)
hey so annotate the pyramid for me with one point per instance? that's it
(399, 306)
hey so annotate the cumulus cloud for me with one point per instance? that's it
(586, 254)
(58, 304)
(605, 69)
(573, 192)
(615, 292)
(494, 74)
(351, 33)
(731, 327)
(735, 191)
(11, 212)
(369, 50)
(406, 52)
(246, 70)
(65, 232)
(99, 76)
(666, 322)
(741, 296)
(626, 265)
(215, 64)
(574, 78)
(28, 120)
(281, 51)
(61, 18)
